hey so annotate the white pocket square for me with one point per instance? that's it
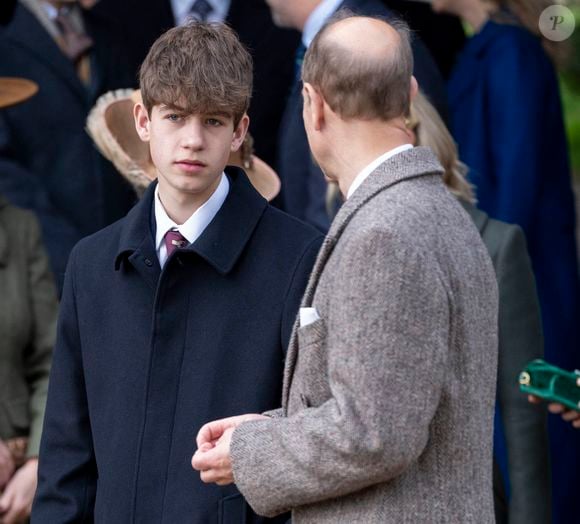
(308, 315)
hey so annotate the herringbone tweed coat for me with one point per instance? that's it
(388, 398)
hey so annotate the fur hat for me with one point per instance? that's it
(111, 126)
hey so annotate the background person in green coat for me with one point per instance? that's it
(28, 311)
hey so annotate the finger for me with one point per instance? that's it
(576, 423)
(532, 399)
(214, 476)
(211, 431)
(206, 446)
(555, 408)
(224, 482)
(568, 416)
(200, 461)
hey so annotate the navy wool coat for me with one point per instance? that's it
(146, 356)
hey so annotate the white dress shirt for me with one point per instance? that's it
(317, 19)
(363, 175)
(194, 226)
(181, 10)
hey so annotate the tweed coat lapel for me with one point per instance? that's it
(419, 161)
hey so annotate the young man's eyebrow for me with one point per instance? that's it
(171, 107)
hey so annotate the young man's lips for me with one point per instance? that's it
(190, 166)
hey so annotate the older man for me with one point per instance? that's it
(390, 376)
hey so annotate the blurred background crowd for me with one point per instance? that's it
(500, 107)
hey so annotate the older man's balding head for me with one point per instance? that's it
(362, 66)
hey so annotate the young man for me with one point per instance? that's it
(178, 313)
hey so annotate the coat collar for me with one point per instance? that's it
(405, 165)
(412, 163)
(222, 242)
(27, 32)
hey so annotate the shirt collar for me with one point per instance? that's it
(317, 19)
(181, 10)
(361, 177)
(194, 226)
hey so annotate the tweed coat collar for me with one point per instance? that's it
(412, 163)
(221, 243)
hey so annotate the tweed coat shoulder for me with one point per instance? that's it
(388, 397)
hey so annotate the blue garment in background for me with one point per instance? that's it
(506, 116)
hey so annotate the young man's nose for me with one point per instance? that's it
(193, 135)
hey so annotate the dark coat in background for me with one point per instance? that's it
(303, 185)
(145, 357)
(522, 490)
(507, 120)
(272, 49)
(48, 162)
(28, 311)
(442, 34)
(6, 11)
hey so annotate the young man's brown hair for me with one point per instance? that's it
(198, 68)
(360, 86)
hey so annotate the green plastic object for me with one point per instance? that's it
(551, 383)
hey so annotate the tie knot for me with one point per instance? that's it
(200, 10)
(174, 240)
(75, 43)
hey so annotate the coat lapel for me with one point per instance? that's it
(419, 161)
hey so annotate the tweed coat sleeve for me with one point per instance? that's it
(67, 474)
(387, 328)
(44, 308)
(520, 341)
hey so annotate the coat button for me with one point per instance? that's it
(148, 262)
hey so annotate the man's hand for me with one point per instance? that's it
(212, 458)
(16, 501)
(211, 432)
(6, 464)
(214, 462)
(568, 415)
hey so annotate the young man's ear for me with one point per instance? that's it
(313, 106)
(141, 121)
(240, 133)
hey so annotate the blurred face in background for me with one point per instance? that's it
(456, 7)
(291, 13)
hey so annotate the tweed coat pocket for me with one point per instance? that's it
(310, 387)
(311, 333)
